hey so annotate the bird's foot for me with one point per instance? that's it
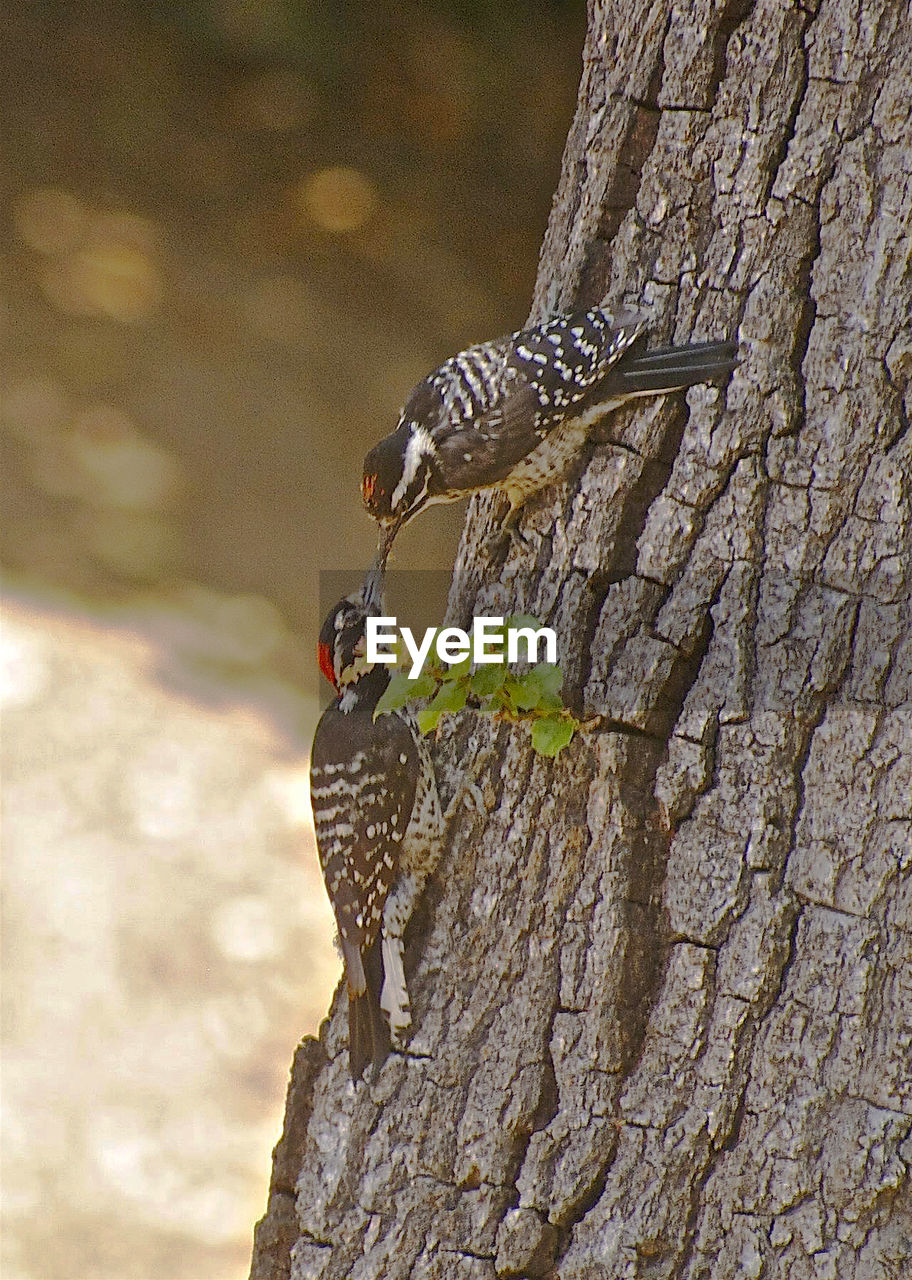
(509, 537)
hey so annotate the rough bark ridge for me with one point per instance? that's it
(662, 986)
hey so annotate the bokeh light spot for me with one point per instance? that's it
(245, 929)
(338, 199)
(290, 788)
(117, 465)
(160, 792)
(117, 280)
(112, 273)
(23, 672)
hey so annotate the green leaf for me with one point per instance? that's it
(538, 689)
(505, 698)
(552, 733)
(488, 679)
(460, 668)
(517, 620)
(550, 678)
(450, 698)
(452, 694)
(524, 691)
(401, 690)
(428, 720)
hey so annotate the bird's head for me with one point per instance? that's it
(342, 645)
(399, 478)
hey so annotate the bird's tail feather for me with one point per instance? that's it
(368, 1032)
(673, 368)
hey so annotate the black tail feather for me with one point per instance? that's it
(674, 368)
(698, 351)
(368, 1033)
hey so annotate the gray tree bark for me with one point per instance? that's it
(663, 985)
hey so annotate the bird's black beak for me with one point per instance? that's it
(387, 537)
(372, 588)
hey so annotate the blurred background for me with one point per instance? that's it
(234, 234)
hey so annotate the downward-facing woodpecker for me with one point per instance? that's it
(512, 413)
(378, 825)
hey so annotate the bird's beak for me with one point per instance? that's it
(372, 590)
(387, 537)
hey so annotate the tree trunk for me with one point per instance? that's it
(661, 985)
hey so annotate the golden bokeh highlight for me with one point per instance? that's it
(101, 264)
(118, 466)
(338, 199)
(112, 279)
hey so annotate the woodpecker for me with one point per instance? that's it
(378, 826)
(511, 414)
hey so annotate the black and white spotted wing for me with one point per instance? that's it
(565, 360)
(363, 782)
(499, 400)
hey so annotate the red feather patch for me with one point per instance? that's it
(325, 659)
